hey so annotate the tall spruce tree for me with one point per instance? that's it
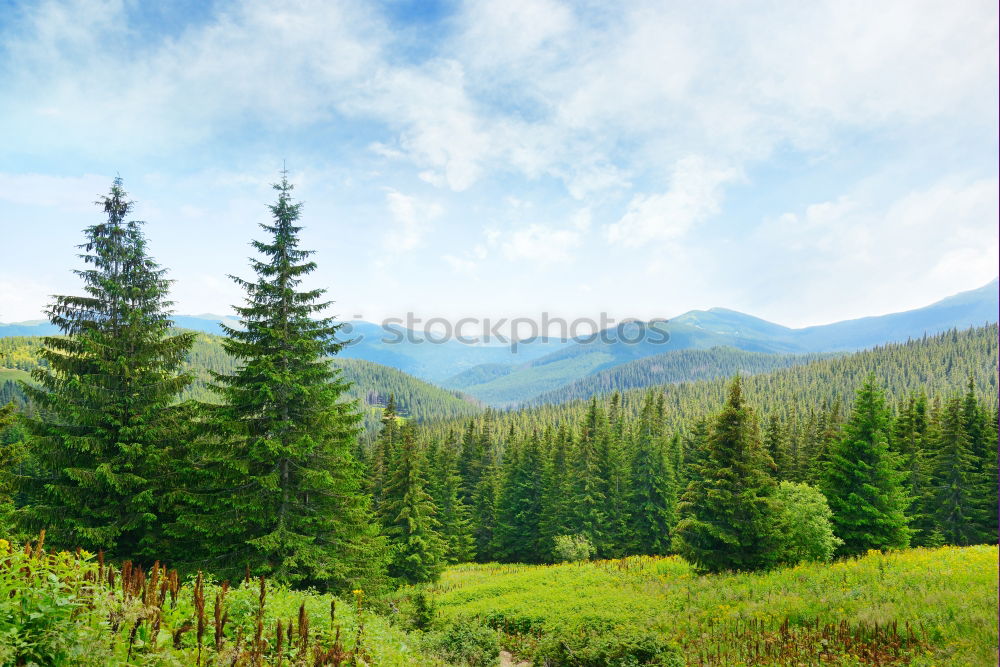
(727, 517)
(557, 487)
(589, 510)
(105, 422)
(910, 439)
(411, 516)
(653, 490)
(957, 504)
(386, 451)
(517, 537)
(444, 487)
(863, 481)
(296, 510)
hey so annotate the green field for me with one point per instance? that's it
(947, 596)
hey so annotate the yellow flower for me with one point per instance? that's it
(4, 546)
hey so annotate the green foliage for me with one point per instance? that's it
(289, 499)
(803, 520)
(652, 493)
(957, 498)
(519, 506)
(572, 548)
(622, 646)
(728, 515)
(946, 595)
(466, 641)
(863, 482)
(104, 426)
(409, 517)
(672, 367)
(63, 609)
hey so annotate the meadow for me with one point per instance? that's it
(919, 607)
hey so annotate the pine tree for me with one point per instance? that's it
(105, 422)
(517, 537)
(386, 451)
(653, 489)
(955, 507)
(453, 514)
(296, 510)
(727, 518)
(776, 443)
(981, 431)
(613, 458)
(556, 492)
(412, 525)
(589, 513)
(910, 434)
(863, 482)
(484, 507)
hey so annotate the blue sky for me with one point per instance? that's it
(804, 162)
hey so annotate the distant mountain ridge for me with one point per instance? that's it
(501, 377)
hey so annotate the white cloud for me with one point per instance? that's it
(695, 194)
(925, 245)
(541, 244)
(411, 219)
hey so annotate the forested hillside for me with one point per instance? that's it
(935, 365)
(673, 367)
(371, 383)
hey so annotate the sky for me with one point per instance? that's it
(805, 162)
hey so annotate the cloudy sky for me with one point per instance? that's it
(802, 161)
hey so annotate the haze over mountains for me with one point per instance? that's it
(501, 376)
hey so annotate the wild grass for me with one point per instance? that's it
(919, 607)
(73, 609)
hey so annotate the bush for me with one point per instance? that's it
(803, 519)
(467, 641)
(573, 548)
(39, 597)
(620, 647)
(423, 611)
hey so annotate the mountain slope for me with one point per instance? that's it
(721, 327)
(502, 377)
(673, 367)
(372, 383)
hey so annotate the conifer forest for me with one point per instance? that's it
(366, 450)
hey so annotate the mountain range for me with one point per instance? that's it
(502, 377)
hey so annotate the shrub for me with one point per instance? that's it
(423, 611)
(803, 519)
(573, 548)
(39, 595)
(621, 647)
(467, 641)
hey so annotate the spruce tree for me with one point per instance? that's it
(386, 451)
(910, 440)
(557, 487)
(519, 505)
(727, 517)
(589, 509)
(653, 490)
(296, 510)
(105, 422)
(863, 482)
(956, 501)
(453, 514)
(411, 524)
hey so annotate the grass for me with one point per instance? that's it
(920, 607)
(70, 609)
